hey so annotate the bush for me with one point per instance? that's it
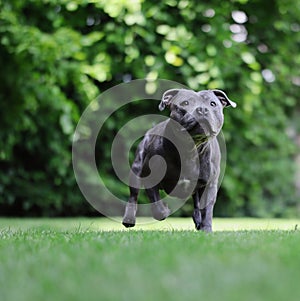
(56, 56)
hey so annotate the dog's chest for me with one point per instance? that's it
(189, 168)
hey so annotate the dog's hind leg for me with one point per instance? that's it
(129, 217)
(159, 210)
(131, 208)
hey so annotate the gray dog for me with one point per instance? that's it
(198, 115)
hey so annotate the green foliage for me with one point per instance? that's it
(57, 55)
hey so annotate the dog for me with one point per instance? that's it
(195, 171)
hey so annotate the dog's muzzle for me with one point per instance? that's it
(198, 124)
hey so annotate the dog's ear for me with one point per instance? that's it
(167, 98)
(226, 102)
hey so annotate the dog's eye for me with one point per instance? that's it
(213, 104)
(184, 103)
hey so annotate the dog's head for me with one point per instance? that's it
(200, 113)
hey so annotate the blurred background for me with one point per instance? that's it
(56, 56)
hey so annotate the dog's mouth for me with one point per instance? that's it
(201, 132)
(199, 140)
(200, 135)
(197, 129)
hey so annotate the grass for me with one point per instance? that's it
(95, 259)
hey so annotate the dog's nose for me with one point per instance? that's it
(202, 111)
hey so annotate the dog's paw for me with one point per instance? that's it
(197, 219)
(206, 229)
(129, 216)
(160, 211)
(128, 223)
(198, 226)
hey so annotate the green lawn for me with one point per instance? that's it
(95, 259)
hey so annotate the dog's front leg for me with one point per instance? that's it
(197, 214)
(159, 210)
(207, 215)
(207, 202)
